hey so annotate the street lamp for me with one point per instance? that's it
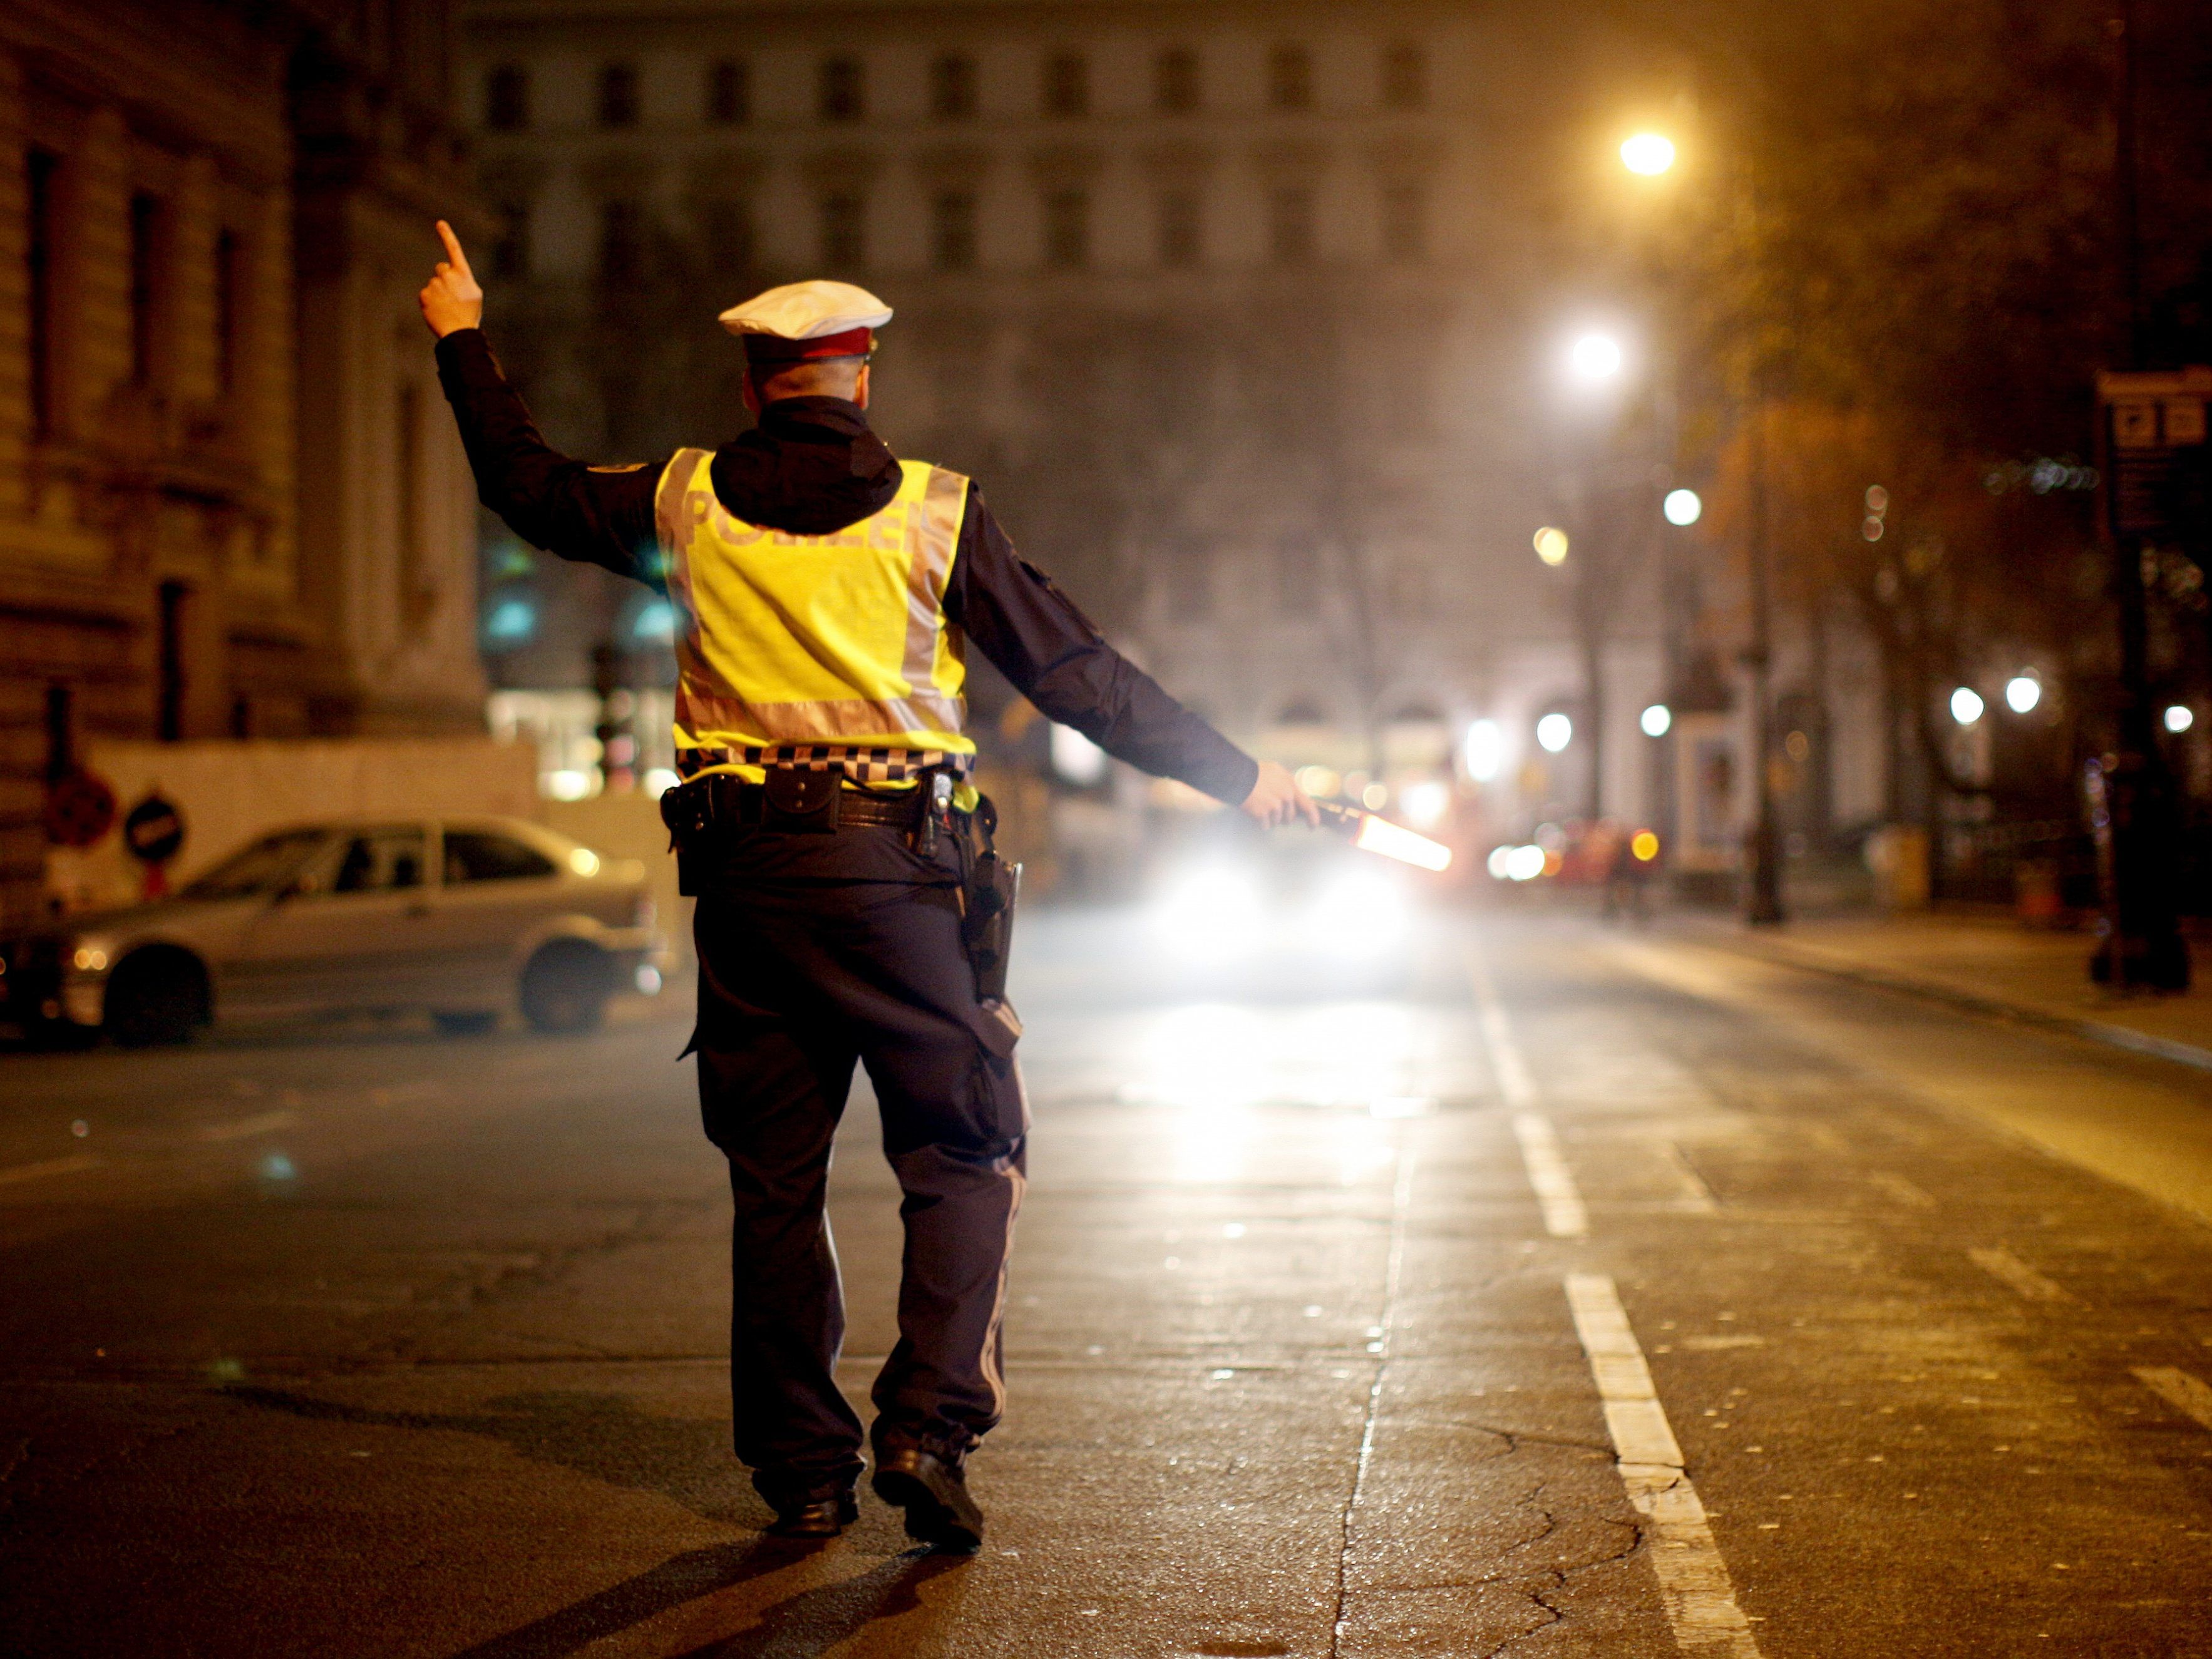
(2179, 717)
(1486, 751)
(1682, 507)
(1551, 545)
(1648, 154)
(1657, 720)
(1554, 732)
(1595, 357)
(1966, 705)
(2022, 693)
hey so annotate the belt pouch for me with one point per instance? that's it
(801, 803)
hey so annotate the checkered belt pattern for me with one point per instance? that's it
(860, 765)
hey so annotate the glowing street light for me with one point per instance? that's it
(1649, 154)
(2022, 693)
(1966, 705)
(1657, 720)
(1594, 357)
(1551, 545)
(1554, 732)
(1486, 751)
(2179, 717)
(1682, 507)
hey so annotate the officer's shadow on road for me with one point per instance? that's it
(608, 1438)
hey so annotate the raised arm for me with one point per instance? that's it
(598, 515)
(1057, 658)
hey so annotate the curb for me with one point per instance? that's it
(2014, 1013)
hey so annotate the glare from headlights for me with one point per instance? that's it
(1211, 914)
(1526, 863)
(1501, 859)
(1425, 803)
(1361, 911)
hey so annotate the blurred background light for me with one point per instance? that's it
(1375, 797)
(1966, 705)
(1551, 544)
(1319, 782)
(1595, 357)
(1525, 863)
(2179, 717)
(2022, 693)
(1077, 759)
(1554, 732)
(1656, 720)
(1486, 751)
(1500, 858)
(1650, 154)
(1644, 846)
(1425, 803)
(1682, 507)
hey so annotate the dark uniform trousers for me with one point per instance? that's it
(799, 977)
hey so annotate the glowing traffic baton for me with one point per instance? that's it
(1372, 835)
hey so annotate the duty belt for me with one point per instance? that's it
(719, 801)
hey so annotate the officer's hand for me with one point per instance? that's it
(1277, 799)
(451, 299)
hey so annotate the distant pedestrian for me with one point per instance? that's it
(828, 593)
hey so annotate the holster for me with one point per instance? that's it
(801, 803)
(989, 895)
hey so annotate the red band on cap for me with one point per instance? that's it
(774, 349)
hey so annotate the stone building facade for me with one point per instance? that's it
(1239, 313)
(231, 505)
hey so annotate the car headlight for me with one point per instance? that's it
(1211, 913)
(1360, 910)
(90, 957)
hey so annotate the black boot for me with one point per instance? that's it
(817, 1518)
(934, 1495)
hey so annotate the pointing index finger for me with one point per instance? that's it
(452, 246)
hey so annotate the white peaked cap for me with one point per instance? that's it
(806, 310)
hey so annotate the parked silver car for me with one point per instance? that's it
(466, 918)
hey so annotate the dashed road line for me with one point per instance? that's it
(2184, 1392)
(1695, 1198)
(1563, 1214)
(53, 1166)
(1694, 1585)
(240, 1128)
(2000, 1263)
(1515, 1084)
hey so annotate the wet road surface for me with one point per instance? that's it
(1534, 1290)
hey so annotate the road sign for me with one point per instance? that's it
(80, 809)
(154, 831)
(2159, 468)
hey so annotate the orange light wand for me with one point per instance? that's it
(1372, 835)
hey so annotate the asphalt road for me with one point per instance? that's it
(1538, 1291)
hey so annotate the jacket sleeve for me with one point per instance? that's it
(595, 515)
(1057, 658)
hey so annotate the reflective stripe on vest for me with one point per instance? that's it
(795, 650)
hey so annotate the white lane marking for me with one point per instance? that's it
(2179, 1389)
(53, 1166)
(1694, 1585)
(1401, 1204)
(1563, 1214)
(239, 1128)
(1514, 1086)
(2000, 1263)
(1695, 1197)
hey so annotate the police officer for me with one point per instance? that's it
(827, 593)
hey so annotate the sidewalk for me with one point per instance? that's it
(1990, 965)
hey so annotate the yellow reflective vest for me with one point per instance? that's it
(824, 653)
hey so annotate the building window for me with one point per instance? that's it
(844, 230)
(843, 94)
(1066, 86)
(618, 94)
(729, 94)
(1179, 236)
(622, 243)
(506, 98)
(1067, 228)
(510, 248)
(1404, 78)
(229, 309)
(952, 230)
(1175, 80)
(1291, 224)
(174, 599)
(727, 227)
(1405, 223)
(150, 256)
(952, 87)
(42, 253)
(1290, 78)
